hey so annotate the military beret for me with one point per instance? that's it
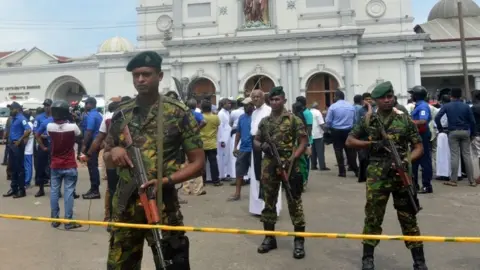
(145, 59)
(277, 91)
(382, 89)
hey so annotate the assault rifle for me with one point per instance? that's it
(285, 172)
(397, 161)
(147, 198)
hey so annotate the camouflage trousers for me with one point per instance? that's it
(271, 186)
(126, 245)
(378, 193)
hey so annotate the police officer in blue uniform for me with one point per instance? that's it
(90, 128)
(421, 116)
(41, 155)
(19, 132)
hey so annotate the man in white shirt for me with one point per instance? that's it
(318, 149)
(262, 110)
(234, 116)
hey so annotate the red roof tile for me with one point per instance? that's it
(3, 54)
(62, 59)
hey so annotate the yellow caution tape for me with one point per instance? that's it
(252, 232)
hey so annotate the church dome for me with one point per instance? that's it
(116, 44)
(446, 9)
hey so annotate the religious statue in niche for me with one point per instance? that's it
(256, 13)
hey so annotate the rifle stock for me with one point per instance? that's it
(406, 179)
(148, 198)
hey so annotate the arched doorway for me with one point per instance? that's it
(321, 88)
(259, 82)
(69, 91)
(202, 88)
(66, 88)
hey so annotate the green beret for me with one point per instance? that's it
(145, 59)
(276, 91)
(382, 89)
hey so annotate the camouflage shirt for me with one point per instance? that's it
(399, 128)
(284, 131)
(180, 131)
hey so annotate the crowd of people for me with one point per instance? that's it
(253, 139)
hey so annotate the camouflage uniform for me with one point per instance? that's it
(181, 130)
(284, 131)
(381, 177)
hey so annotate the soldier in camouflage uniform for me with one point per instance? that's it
(288, 132)
(382, 179)
(180, 129)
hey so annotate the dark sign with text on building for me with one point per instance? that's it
(20, 88)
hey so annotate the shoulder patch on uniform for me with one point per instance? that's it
(24, 122)
(423, 113)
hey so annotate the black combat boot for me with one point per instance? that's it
(41, 192)
(367, 259)
(298, 244)
(418, 259)
(270, 242)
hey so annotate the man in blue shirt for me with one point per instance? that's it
(461, 127)
(41, 149)
(421, 116)
(339, 121)
(19, 132)
(244, 153)
(42, 115)
(90, 128)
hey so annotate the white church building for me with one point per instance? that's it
(222, 48)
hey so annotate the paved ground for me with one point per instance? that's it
(331, 205)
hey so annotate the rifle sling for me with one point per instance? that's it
(160, 135)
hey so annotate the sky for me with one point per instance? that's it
(77, 28)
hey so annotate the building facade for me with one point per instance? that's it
(223, 48)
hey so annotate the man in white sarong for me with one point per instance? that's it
(224, 130)
(262, 110)
(234, 116)
(443, 164)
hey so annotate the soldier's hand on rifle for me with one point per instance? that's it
(120, 157)
(266, 148)
(154, 183)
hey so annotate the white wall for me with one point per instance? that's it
(388, 70)
(43, 77)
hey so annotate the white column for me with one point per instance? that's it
(410, 62)
(240, 14)
(284, 76)
(177, 70)
(102, 84)
(477, 81)
(296, 76)
(346, 12)
(166, 82)
(223, 80)
(290, 94)
(177, 10)
(348, 73)
(234, 78)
